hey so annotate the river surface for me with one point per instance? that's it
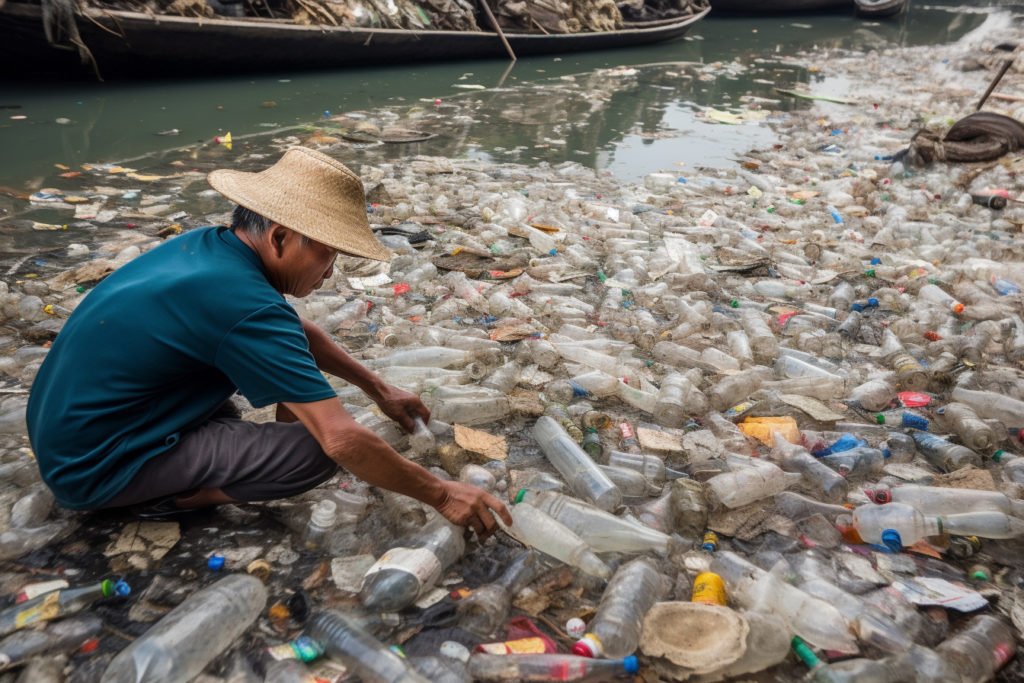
(540, 109)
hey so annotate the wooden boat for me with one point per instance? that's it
(133, 43)
(777, 6)
(876, 9)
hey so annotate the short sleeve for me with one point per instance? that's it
(266, 355)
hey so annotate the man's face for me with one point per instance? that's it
(307, 264)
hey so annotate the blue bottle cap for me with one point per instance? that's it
(631, 664)
(891, 539)
(875, 261)
(872, 302)
(215, 563)
(122, 588)
(911, 421)
(856, 306)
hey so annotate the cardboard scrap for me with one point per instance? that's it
(969, 477)
(764, 428)
(347, 572)
(142, 543)
(490, 446)
(660, 441)
(812, 406)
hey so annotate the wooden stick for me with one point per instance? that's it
(497, 29)
(1006, 98)
(995, 82)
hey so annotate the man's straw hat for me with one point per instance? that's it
(310, 193)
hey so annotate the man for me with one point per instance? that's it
(128, 407)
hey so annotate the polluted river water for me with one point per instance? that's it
(775, 288)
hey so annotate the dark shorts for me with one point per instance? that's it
(248, 461)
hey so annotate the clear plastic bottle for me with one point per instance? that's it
(980, 650)
(814, 620)
(943, 454)
(872, 523)
(614, 631)
(469, 405)
(973, 432)
(730, 390)
(191, 635)
(422, 440)
(678, 399)
(57, 604)
(547, 668)
(534, 529)
(321, 521)
(373, 662)
(856, 462)
(761, 338)
(992, 405)
(401, 574)
(602, 531)
(1011, 466)
(935, 295)
(61, 637)
(629, 482)
(873, 395)
(934, 500)
(745, 485)
(582, 474)
(487, 607)
(797, 507)
(651, 466)
(827, 484)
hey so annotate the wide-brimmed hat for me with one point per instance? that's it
(310, 193)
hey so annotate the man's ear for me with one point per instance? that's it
(277, 235)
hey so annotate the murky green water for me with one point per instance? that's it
(628, 123)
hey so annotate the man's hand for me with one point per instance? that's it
(467, 505)
(402, 406)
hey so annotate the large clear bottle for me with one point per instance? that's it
(58, 603)
(873, 521)
(401, 574)
(989, 404)
(935, 500)
(615, 630)
(487, 607)
(814, 620)
(972, 430)
(534, 529)
(344, 639)
(582, 474)
(981, 649)
(190, 636)
(945, 455)
(602, 531)
(548, 668)
(748, 482)
(826, 483)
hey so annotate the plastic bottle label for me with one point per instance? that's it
(523, 646)
(709, 589)
(48, 609)
(419, 562)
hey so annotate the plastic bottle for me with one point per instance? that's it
(944, 455)
(934, 500)
(469, 406)
(828, 485)
(651, 466)
(191, 635)
(873, 395)
(57, 604)
(629, 482)
(614, 631)
(973, 432)
(857, 462)
(581, 473)
(1011, 466)
(344, 639)
(678, 398)
(909, 373)
(933, 294)
(874, 524)
(487, 607)
(899, 418)
(797, 507)
(321, 521)
(814, 620)
(745, 485)
(288, 671)
(981, 649)
(422, 440)
(761, 338)
(602, 531)
(546, 668)
(992, 405)
(534, 529)
(61, 637)
(401, 574)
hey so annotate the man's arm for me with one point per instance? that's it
(397, 404)
(370, 458)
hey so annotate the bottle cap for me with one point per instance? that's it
(880, 419)
(980, 575)
(575, 627)
(587, 646)
(870, 272)
(875, 261)
(215, 563)
(520, 494)
(119, 588)
(958, 308)
(891, 540)
(631, 664)
(998, 455)
(872, 302)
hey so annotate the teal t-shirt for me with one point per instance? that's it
(152, 352)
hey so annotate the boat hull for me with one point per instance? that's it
(132, 43)
(872, 9)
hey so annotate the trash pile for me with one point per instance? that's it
(760, 420)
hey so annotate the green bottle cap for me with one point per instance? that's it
(980, 575)
(805, 653)
(870, 272)
(734, 303)
(998, 455)
(519, 496)
(880, 419)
